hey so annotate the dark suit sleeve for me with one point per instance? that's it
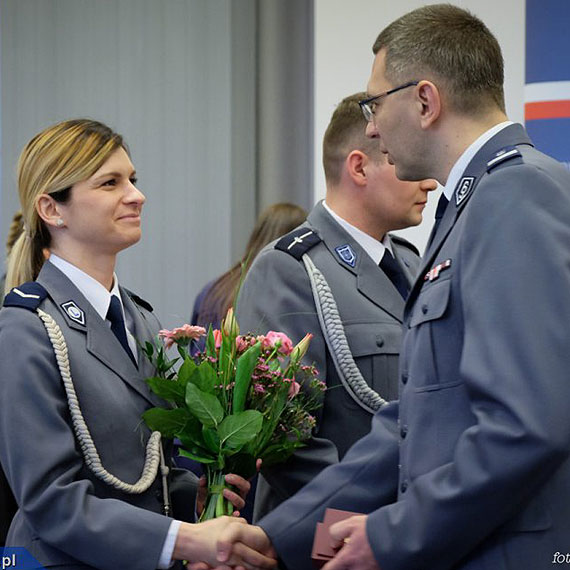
(363, 481)
(276, 295)
(44, 466)
(512, 293)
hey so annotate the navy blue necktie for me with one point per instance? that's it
(395, 273)
(440, 210)
(115, 317)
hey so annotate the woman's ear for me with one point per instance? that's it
(48, 210)
(429, 103)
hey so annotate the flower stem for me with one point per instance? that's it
(216, 504)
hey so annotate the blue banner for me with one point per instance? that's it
(547, 88)
(18, 558)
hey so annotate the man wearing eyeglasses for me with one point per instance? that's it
(368, 271)
(482, 437)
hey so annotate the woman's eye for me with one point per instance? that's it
(134, 180)
(110, 182)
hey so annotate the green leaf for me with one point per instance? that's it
(210, 343)
(182, 351)
(242, 464)
(199, 458)
(168, 422)
(186, 371)
(170, 390)
(194, 444)
(277, 405)
(212, 440)
(225, 359)
(204, 406)
(245, 365)
(206, 378)
(192, 431)
(238, 429)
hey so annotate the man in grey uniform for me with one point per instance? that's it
(481, 445)
(366, 271)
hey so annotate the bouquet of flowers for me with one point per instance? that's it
(237, 401)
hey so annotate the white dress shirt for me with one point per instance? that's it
(374, 248)
(463, 161)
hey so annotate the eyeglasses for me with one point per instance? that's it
(368, 106)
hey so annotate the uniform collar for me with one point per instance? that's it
(464, 160)
(374, 248)
(92, 290)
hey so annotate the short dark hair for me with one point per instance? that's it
(346, 132)
(453, 46)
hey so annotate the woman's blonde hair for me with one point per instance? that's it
(51, 163)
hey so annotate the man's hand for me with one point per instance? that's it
(223, 542)
(355, 552)
(240, 541)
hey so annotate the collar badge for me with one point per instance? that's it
(463, 189)
(346, 254)
(74, 312)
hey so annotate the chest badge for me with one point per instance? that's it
(346, 254)
(434, 272)
(74, 312)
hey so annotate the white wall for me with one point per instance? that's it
(344, 34)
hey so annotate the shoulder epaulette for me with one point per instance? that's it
(401, 241)
(507, 153)
(28, 296)
(298, 242)
(144, 304)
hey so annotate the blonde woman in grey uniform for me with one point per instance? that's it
(91, 482)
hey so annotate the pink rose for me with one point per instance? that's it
(218, 338)
(294, 388)
(185, 332)
(278, 340)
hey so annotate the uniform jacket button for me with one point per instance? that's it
(424, 309)
(379, 341)
(404, 379)
(404, 486)
(404, 431)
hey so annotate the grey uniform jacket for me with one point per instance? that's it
(483, 434)
(276, 295)
(69, 518)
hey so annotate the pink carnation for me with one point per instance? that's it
(273, 339)
(242, 344)
(185, 332)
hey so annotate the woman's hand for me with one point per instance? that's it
(236, 498)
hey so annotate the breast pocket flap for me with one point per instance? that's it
(367, 339)
(431, 303)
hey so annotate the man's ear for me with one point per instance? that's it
(428, 101)
(48, 210)
(356, 163)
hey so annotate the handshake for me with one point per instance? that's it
(223, 543)
(229, 542)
